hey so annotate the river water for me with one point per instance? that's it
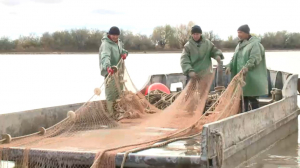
(36, 81)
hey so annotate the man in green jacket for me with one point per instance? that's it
(110, 53)
(197, 53)
(249, 56)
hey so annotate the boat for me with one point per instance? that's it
(230, 142)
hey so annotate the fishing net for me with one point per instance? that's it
(135, 124)
(160, 99)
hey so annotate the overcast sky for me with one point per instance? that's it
(22, 17)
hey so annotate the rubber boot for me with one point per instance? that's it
(254, 103)
(246, 104)
(110, 108)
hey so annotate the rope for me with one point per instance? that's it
(243, 101)
(220, 144)
(110, 74)
(160, 99)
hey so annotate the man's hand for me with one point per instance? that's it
(245, 70)
(227, 71)
(110, 71)
(192, 74)
(123, 56)
(218, 58)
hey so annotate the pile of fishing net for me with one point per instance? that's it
(160, 99)
(92, 129)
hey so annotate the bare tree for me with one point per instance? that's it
(184, 33)
(159, 36)
(211, 36)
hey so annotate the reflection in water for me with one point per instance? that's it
(284, 154)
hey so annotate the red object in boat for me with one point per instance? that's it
(157, 86)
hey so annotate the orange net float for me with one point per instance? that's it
(157, 86)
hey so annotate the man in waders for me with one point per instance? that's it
(197, 53)
(249, 56)
(110, 53)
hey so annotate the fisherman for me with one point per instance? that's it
(197, 53)
(110, 53)
(249, 56)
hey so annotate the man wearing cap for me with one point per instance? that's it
(197, 53)
(110, 53)
(249, 56)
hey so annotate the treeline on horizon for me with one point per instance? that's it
(162, 38)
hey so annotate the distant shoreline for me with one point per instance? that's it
(130, 52)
